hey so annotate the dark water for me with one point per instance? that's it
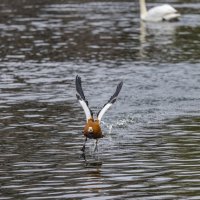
(152, 144)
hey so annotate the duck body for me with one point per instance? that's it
(159, 13)
(92, 129)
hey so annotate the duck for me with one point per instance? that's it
(92, 128)
(159, 13)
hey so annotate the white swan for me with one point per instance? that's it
(159, 13)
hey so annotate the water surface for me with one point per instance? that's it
(151, 149)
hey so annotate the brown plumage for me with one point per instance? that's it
(92, 129)
(95, 128)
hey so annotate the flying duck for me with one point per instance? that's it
(92, 129)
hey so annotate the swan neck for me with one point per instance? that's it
(143, 9)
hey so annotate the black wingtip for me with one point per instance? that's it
(79, 87)
(114, 97)
(78, 82)
(119, 87)
(78, 77)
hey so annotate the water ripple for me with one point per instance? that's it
(151, 144)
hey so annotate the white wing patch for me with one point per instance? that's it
(104, 109)
(85, 108)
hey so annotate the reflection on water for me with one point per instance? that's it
(151, 148)
(157, 36)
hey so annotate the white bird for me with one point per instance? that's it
(159, 13)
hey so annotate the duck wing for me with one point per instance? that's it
(81, 98)
(110, 102)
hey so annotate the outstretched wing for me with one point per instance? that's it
(110, 102)
(81, 98)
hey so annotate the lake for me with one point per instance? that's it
(151, 146)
